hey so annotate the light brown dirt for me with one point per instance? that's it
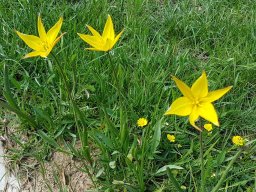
(62, 172)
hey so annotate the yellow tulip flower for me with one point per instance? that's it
(43, 44)
(104, 42)
(196, 101)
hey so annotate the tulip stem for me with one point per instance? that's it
(83, 134)
(62, 76)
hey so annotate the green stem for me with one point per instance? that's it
(117, 83)
(115, 69)
(64, 78)
(216, 188)
(77, 112)
(142, 160)
(202, 161)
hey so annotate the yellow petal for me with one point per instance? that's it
(108, 31)
(92, 40)
(44, 54)
(181, 106)
(117, 37)
(93, 49)
(200, 87)
(41, 30)
(94, 32)
(207, 111)
(57, 40)
(32, 54)
(53, 32)
(215, 95)
(185, 90)
(193, 118)
(32, 41)
(108, 45)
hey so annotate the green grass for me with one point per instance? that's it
(161, 38)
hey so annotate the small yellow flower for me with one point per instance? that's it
(208, 127)
(196, 101)
(142, 122)
(171, 138)
(238, 140)
(43, 44)
(104, 42)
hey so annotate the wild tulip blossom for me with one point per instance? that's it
(104, 42)
(196, 101)
(43, 44)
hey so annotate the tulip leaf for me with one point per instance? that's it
(156, 137)
(164, 168)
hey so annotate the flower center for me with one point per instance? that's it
(46, 45)
(196, 102)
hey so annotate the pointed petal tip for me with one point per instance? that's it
(26, 56)
(228, 88)
(88, 26)
(79, 34)
(16, 31)
(195, 126)
(121, 32)
(216, 123)
(60, 20)
(167, 113)
(62, 34)
(173, 78)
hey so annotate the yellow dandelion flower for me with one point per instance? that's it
(142, 122)
(238, 140)
(208, 127)
(171, 138)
